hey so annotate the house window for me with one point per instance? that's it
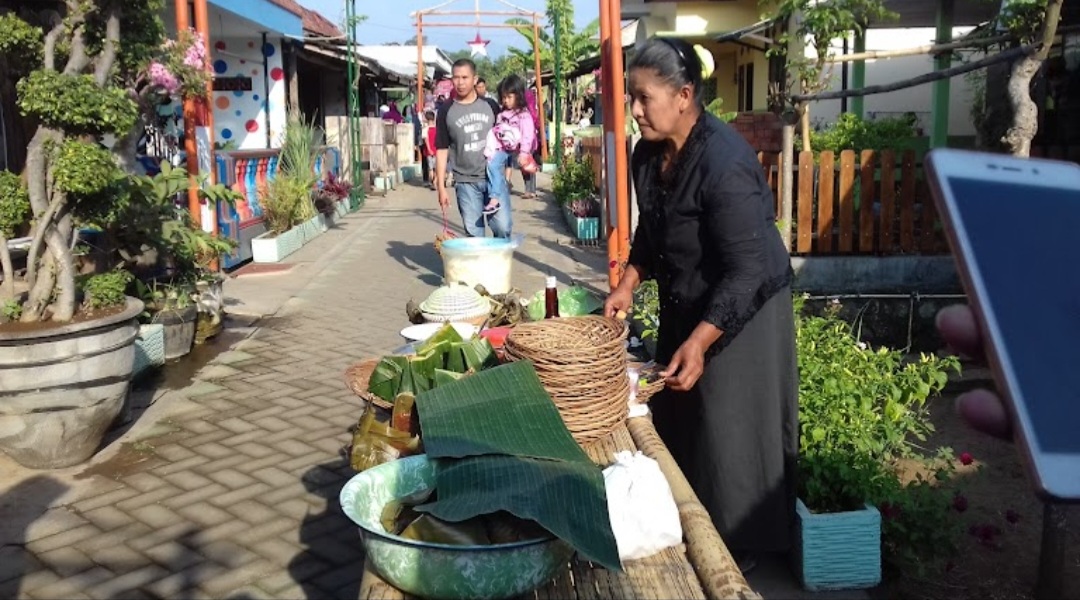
(746, 87)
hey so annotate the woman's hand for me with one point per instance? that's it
(686, 366)
(618, 301)
(982, 409)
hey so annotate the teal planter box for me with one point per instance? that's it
(838, 551)
(409, 172)
(149, 348)
(583, 228)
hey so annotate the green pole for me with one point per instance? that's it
(939, 95)
(858, 75)
(356, 167)
(556, 102)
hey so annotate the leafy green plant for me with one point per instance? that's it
(14, 206)
(716, 108)
(863, 418)
(573, 181)
(10, 310)
(647, 308)
(106, 290)
(97, 72)
(849, 132)
(284, 202)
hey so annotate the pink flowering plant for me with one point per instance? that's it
(865, 421)
(182, 68)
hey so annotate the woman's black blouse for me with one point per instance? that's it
(707, 233)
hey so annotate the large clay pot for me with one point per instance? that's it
(63, 387)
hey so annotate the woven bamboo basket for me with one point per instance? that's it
(581, 362)
(647, 391)
(357, 376)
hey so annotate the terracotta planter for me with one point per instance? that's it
(63, 387)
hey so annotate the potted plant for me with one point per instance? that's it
(583, 217)
(67, 360)
(288, 199)
(574, 190)
(334, 191)
(861, 412)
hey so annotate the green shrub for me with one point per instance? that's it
(573, 181)
(106, 289)
(849, 132)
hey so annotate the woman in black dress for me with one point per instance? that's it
(707, 234)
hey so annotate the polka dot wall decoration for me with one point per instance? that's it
(277, 74)
(220, 66)
(220, 45)
(268, 49)
(252, 125)
(226, 133)
(222, 102)
(251, 44)
(239, 113)
(238, 94)
(255, 97)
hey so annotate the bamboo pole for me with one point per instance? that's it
(918, 50)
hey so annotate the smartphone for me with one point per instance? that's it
(1012, 225)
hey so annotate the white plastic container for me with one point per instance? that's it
(480, 261)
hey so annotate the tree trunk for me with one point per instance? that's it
(42, 290)
(7, 292)
(1025, 111)
(804, 126)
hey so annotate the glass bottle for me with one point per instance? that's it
(551, 299)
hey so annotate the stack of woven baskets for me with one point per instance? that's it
(582, 363)
(456, 302)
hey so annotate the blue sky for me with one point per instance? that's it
(389, 21)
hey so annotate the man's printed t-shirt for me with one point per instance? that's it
(462, 129)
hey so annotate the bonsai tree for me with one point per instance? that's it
(95, 72)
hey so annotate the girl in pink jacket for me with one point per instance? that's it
(510, 142)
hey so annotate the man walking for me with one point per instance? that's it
(461, 130)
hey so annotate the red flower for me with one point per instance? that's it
(966, 459)
(959, 503)
(1012, 516)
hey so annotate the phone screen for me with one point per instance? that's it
(1023, 242)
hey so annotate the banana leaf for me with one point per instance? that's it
(404, 416)
(385, 380)
(501, 446)
(422, 372)
(478, 355)
(446, 333)
(429, 529)
(443, 377)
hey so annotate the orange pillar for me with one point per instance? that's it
(618, 124)
(183, 23)
(540, 97)
(202, 26)
(608, 192)
(420, 61)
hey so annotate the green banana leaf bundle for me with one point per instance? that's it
(443, 358)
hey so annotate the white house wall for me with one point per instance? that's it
(240, 117)
(917, 99)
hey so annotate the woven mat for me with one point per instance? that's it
(700, 568)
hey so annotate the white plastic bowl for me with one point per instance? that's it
(419, 333)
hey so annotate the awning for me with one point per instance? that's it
(266, 14)
(748, 31)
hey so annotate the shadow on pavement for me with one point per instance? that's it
(331, 563)
(20, 507)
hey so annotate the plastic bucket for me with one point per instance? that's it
(479, 261)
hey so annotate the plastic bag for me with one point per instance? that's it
(574, 301)
(644, 517)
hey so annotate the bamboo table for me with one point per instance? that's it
(699, 568)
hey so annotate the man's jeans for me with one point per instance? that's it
(471, 197)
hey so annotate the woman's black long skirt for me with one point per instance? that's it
(736, 436)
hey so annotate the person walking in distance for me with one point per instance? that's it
(461, 129)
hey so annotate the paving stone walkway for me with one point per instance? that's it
(225, 485)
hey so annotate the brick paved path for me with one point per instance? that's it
(226, 486)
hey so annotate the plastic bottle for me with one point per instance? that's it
(551, 299)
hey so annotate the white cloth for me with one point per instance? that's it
(644, 517)
(637, 409)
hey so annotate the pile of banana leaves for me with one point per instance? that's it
(442, 358)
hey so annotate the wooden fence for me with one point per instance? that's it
(878, 204)
(874, 203)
